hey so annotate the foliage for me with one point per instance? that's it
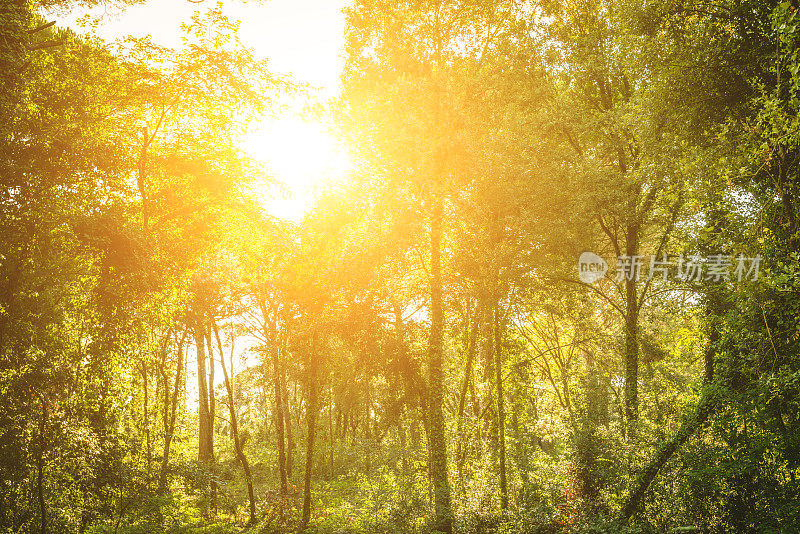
(417, 354)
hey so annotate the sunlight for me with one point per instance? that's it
(299, 153)
(414, 267)
(303, 156)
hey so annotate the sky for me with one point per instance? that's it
(301, 38)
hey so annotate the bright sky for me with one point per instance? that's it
(303, 38)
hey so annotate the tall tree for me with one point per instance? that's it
(238, 441)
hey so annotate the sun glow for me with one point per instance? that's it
(302, 156)
(297, 152)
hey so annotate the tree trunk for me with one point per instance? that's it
(146, 422)
(367, 428)
(462, 399)
(212, 413)
(435, 396)
(330, 435)
(238, 445)
(501, 411)
(169, 419)
(287, 416)
(279, 415)
(212, 398)
(204, 421)
(40, 470)
(312, 424)
(631, 339)
(704, 408)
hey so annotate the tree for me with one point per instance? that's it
(238, 443)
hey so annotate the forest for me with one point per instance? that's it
(555, 291)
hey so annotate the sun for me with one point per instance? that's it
(298, 151)
(302, 155)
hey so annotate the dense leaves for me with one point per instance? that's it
(418, 354)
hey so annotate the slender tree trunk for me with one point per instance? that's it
(212, 413)
(704, 408)
(367, 428)
(462, 399)
(279, 415)
(435, 396)
(501, 411)
(707, 404)
(169, 419)
(205, 424)
(40, 470)
(287, 417)
(330, 434)
(238, 444)
(146, 422)
(631, 338)
(312, 424)
(212, 397)
(204, 420)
